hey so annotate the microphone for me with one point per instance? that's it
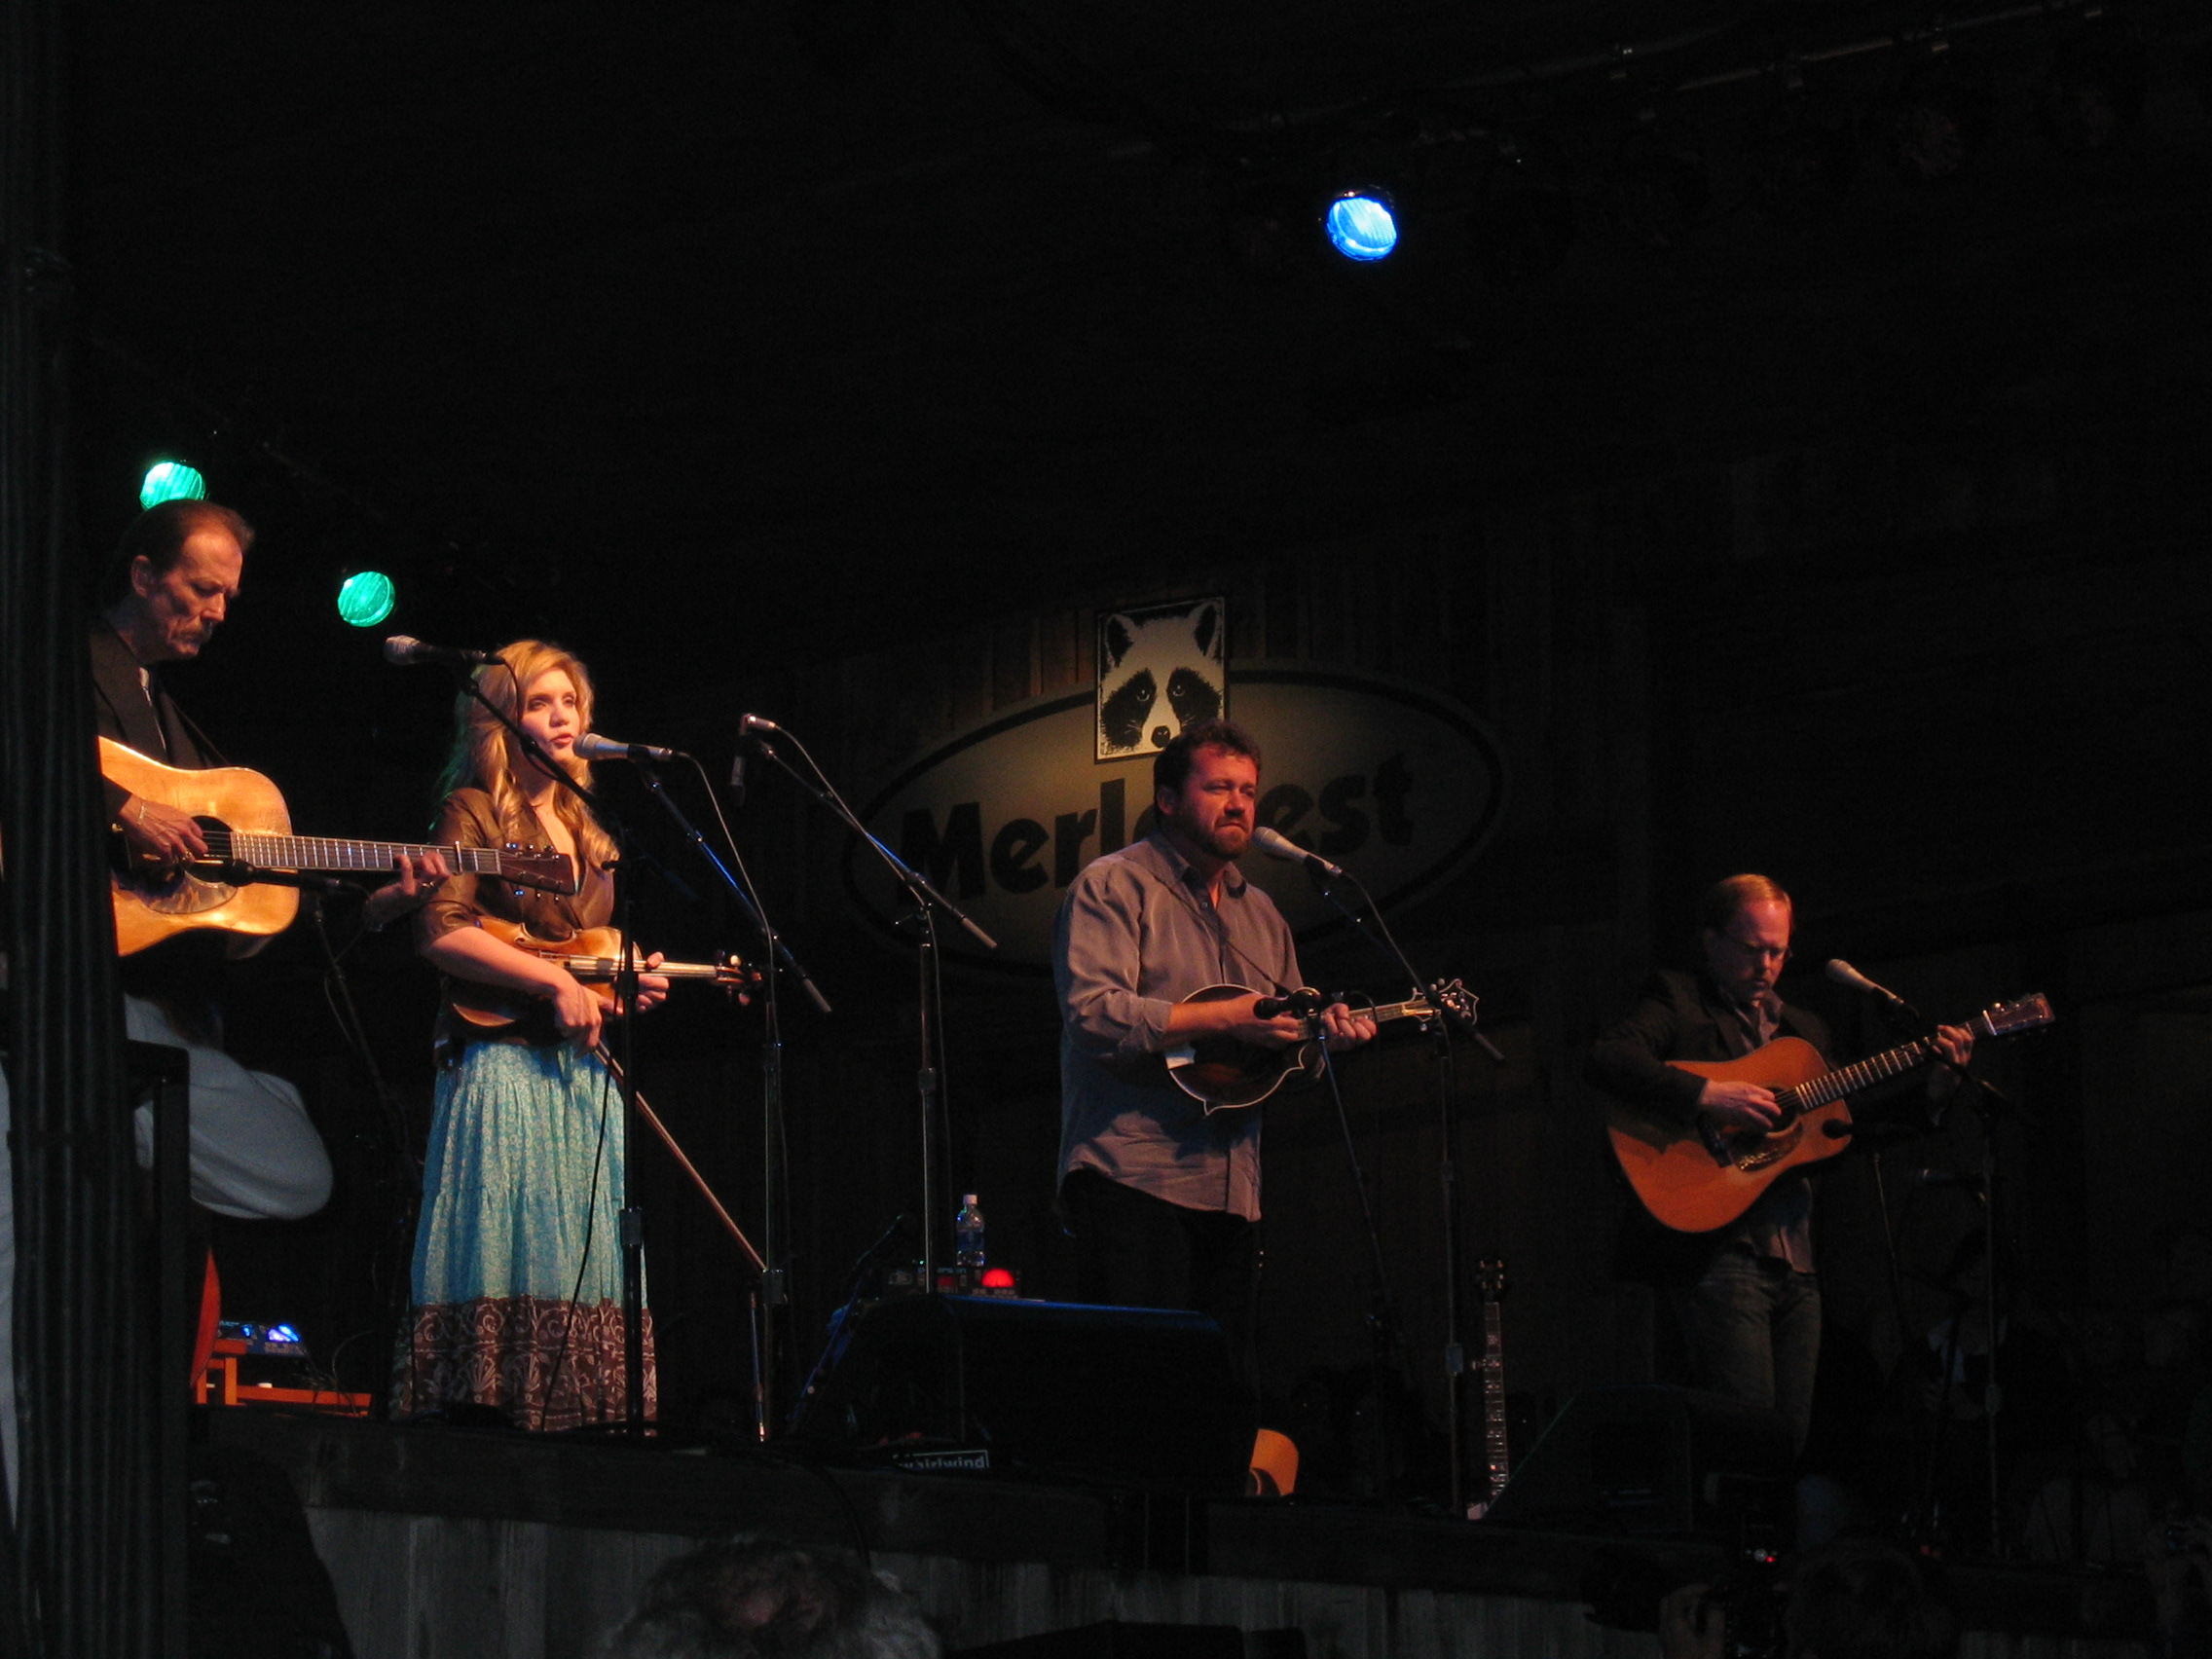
(593, 747)
(737, 775)
(754, 722)
(1276, 845)
(1844, 974)
(1305, 1003)
(405, 648)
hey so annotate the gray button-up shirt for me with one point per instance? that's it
(1136, 933)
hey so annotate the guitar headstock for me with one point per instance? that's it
(2021, 1014)
(540, 867)
(1489, 1275)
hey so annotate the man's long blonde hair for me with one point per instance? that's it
(483, 753)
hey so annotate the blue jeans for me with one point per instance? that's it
(1752, 1328)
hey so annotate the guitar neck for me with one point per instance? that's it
(1880, 1068)
(1494, 1396)
(312, 852)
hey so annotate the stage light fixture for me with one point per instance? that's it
(1361, 225)
(2094, 91)
(1803, 158)
(171, 481)
(1937, 121)
(366, 598)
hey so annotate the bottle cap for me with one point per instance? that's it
(967, 1198)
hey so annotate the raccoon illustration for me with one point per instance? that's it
(1157, 671)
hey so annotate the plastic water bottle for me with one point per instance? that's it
(967, 1241)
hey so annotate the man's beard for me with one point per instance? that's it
(1216, 841)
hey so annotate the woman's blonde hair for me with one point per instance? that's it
(483, 753)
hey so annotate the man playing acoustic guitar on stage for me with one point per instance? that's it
(1162, 1195)
(169, 589)
(1744, 1294)
(254, 1152)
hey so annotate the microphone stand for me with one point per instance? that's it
(929, 989)
(1367, 917)
(771, 1292)
(630, 1221)
(1986, 1102)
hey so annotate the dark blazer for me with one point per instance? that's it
(121, 707)
(1680, 1017)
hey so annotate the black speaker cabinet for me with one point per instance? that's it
(1136, 1396)
(1651, 1460)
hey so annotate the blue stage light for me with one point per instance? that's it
(366, 598)
(171, 481)
(1361, 226)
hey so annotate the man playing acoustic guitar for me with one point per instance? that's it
(1743, 1295)
(254, 1152)
(1162, 1195)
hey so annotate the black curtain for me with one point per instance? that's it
(82, 1577)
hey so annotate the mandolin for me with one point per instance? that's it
(247, 827)
(1697, 1178)
(592, 956)
(1223, 1073)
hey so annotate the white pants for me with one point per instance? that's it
(254, 1150)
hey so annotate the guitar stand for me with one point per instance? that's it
(1454, 1352)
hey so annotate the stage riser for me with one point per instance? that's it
(425, 1587)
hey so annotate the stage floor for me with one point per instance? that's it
(444, 1543)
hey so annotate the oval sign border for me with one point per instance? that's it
(1438, 706)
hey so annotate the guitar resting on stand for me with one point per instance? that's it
(1458, 1008)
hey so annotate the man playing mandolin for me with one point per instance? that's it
(1744, 1294)
(1161, 1196)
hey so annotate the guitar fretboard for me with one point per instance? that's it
(310, 852)
(1849, 1080)
(2002, 1021)
(1494, 1397)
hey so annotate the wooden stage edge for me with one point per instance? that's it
(446, 1542)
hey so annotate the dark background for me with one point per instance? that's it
(1776, 506)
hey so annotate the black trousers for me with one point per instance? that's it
(1133, 1250)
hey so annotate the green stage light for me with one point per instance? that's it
(366, 598)
(171, 481)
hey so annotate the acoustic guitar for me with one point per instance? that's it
(593, 956)
(1491, 1275)
(1224, 1073)
(247, 827)
(1700, 1177)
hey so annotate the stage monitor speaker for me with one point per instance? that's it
(1651, 1460)
(1140, 1396)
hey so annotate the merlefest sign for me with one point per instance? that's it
(1398, 784)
